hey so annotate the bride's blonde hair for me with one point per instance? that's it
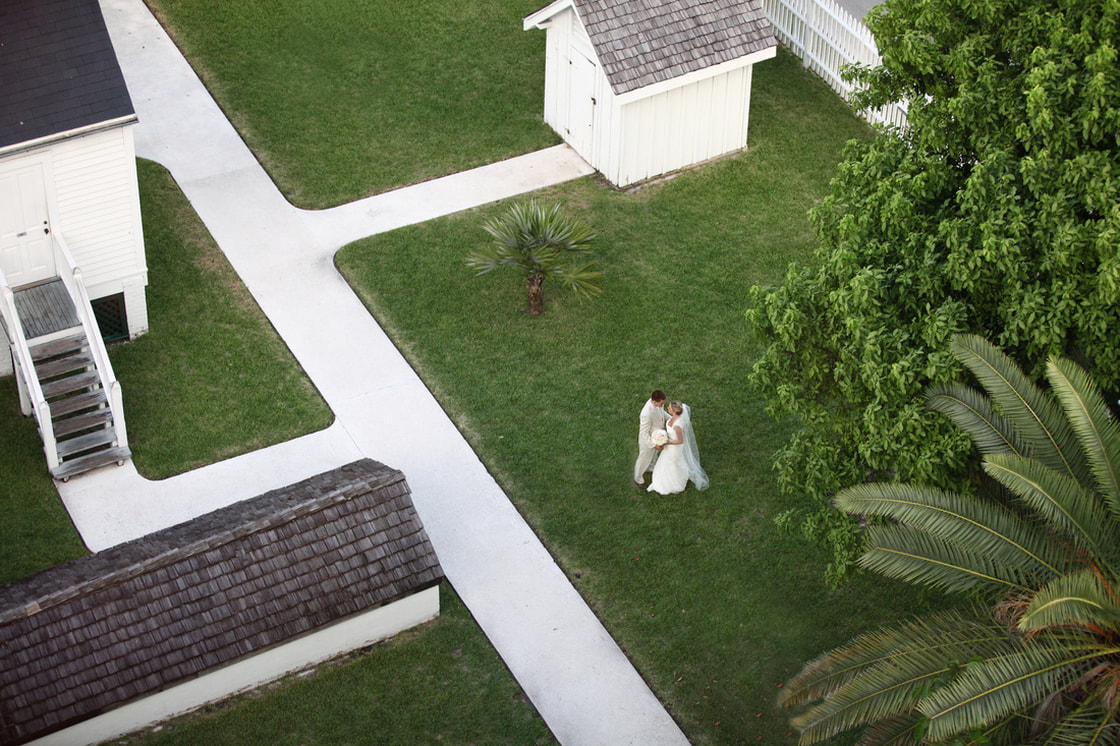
(676, 407)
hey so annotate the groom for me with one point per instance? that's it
(652, 418)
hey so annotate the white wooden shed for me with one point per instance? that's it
(72, 261)
(641, 88)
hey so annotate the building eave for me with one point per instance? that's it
(39, 142)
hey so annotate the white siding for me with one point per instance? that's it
(646, 133)
(682, 126)
(99, 209)
(94, 203)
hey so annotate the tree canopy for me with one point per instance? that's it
(995, 211)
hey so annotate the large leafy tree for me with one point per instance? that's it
(1034, 657)
(995, 211)
(540, 243)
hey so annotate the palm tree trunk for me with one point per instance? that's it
(534, 286)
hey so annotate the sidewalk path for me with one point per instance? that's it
(577, 677)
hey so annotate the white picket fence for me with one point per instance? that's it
(826, 37)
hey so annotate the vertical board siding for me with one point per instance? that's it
(826, 37)
(682, 126)
(98, 208)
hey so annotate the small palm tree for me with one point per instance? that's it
(541, 243)
(1034, 656)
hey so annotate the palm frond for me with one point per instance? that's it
(982, 526)
(1095, 427)
(541, 243)
(892, 731)
(1086, 725)
(832, 670)
(1033, 413)
(1061, 502)
(582, 279)
(930, 658)
(1005, 684)
(1076, 598)
(971, 411)
(916, 557)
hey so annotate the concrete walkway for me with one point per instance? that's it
(577, 677)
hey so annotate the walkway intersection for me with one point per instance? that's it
(577, 677)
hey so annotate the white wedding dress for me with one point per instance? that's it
(678, 463)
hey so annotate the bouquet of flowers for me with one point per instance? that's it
(659, 437)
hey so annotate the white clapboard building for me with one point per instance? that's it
(72, 262)
(641, 88)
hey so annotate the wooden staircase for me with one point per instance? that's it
(81, 416)
(62, 369)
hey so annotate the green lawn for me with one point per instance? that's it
(715, 609)
(341, 99)
(36, 532)
(212, 379)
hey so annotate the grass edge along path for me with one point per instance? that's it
(418, 90)
(441, 682)
(212, 378)
(715, 608)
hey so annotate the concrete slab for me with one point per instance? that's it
(577, 677)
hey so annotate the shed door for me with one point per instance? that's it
(581, 103)
(26, 253)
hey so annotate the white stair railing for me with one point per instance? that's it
(32, 400)
(71, 277)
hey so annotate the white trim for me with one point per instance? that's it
(688, 78)
(541, 18)
(77, 132)
(248, 673)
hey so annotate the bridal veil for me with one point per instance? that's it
(691, 453)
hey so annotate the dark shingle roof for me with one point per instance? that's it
(641, 42)
(101, 630)
(58, 71)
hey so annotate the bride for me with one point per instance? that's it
(679, 460)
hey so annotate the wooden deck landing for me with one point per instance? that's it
(45, 308)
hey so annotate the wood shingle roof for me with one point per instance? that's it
(94, 633)
(58, 70)
(641, 42)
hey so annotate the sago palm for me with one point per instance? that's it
(1033, 657)
(542, 244)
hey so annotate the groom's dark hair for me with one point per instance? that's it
(657, 395)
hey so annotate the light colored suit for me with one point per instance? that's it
(652, 418)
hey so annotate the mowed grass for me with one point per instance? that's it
(212, 379)
(341, 99)
(36, 532)
(714, 607)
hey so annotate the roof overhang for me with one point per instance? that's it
(541, 18)
(68, 134)
(708, 72)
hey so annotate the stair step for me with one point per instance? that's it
(55, 367)
(71, 404)
(60, 346)
(80, 382)
(84, 421)
(95, 460)
(87, 442)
